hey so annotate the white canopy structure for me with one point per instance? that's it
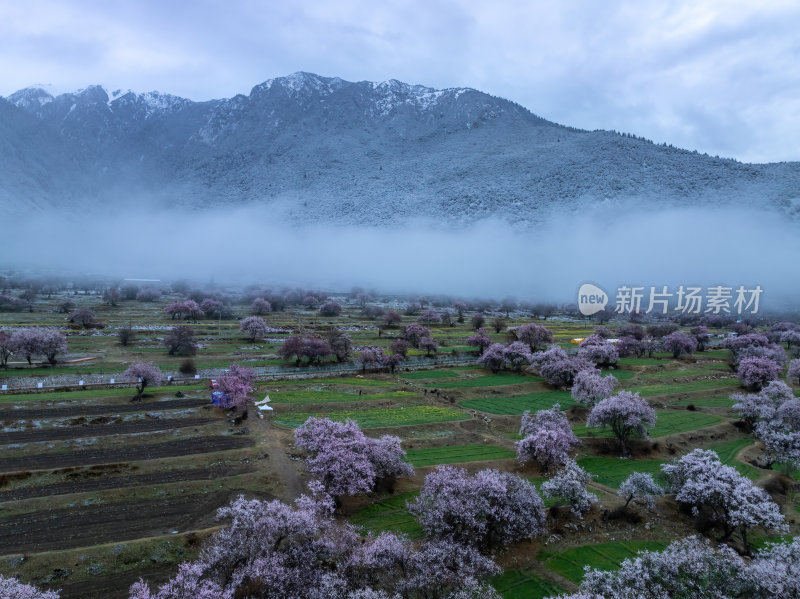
(263, 405)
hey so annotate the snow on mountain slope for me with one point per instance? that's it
(324, 149)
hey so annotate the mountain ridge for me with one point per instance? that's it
(324, 149)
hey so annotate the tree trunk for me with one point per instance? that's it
(744, 541)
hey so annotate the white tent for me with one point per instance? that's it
(263, 405)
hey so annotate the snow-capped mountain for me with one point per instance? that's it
(324, 149)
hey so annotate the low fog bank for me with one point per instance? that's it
(488, 259)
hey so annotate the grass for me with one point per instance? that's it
(489, 380)
(727, 454)
(429, 374)
(95, 367)
(455, 454)
(391, 515)
(537, 481)
(643, 362)
(518, 404)
(721, 401)
(410, 415)
(621, 374)
(314, 396)
(667, 423)
(570, 563)
(611, 472)
(516, 584)
(709, 370)
(673, 388)
(355, 381)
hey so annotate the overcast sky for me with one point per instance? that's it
(721, 77)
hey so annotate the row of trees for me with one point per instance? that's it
(48, 343)
(314, 349)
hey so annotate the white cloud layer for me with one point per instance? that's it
(247, 245)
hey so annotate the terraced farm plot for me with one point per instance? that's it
(430, 375)
(148, 451)
(94, 524)
(67, 396)
(101, 430)
(420, 414)
(35, 412)
(667, 423)
(611, 472)
(643, 362)
(675, 388)
(333, 380)
(93, 491)
(710, 370)
(391, 515)
(314, 396)
(621, 374)
(727, 454)
(455, 454)
(515, 584)
(519, 404)
(488, 380)
(604, 556)
(715, 401)
(722, 401)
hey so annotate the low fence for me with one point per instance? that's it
(263, 373)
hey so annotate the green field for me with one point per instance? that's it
(454, 454)
(489, 380)
(667, 423)
(711, 369)
(643, 362)
(354, 381)
(543, 400)
(721, 401)
(621, 374)
(604, 556)
(389, 514)
(429, 375)
(611, 472)
(673, 388)
(727, 454)
(314, 396)
(379, 418)
(514, 584)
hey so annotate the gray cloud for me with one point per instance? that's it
(719, 77)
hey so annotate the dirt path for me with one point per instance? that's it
(275, 441)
